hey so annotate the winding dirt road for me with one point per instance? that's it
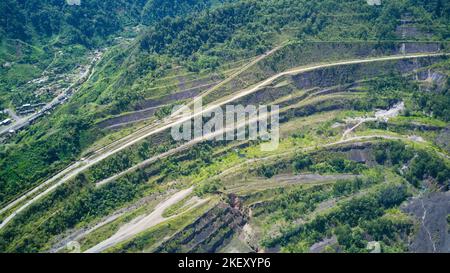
(139, 225)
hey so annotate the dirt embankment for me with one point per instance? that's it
(346, 74)
(141, 224)
(411, 31)
(306, 53)
(361, 152)
(332, 80)
(431, 80)
(119, 121)
(147, 108)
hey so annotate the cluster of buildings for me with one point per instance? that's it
(28, 108)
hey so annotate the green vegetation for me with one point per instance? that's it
(68, 206)
(150, 239)
(420, 164)
(435, 103)
(346, 221)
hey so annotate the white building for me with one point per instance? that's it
(5, 122)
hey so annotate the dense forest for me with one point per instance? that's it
(88, 23)
(77, 24)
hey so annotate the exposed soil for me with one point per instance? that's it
(346, 74)
(141, 224)
(408, 31)
(208, 233)
(128, 118)
(319, 247)
(147, 108)
(185, 94)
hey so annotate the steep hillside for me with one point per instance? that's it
(363, 110)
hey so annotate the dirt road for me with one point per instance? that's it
(379, 115)
(139, 225)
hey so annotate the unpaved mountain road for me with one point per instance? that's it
(139, 225)
(12, 114)
(173, 121)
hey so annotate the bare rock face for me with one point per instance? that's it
(431, 212)
(359, 155)
(443, 139)
(211, 231)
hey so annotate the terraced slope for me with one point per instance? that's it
(299, 99)
(362, 157)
